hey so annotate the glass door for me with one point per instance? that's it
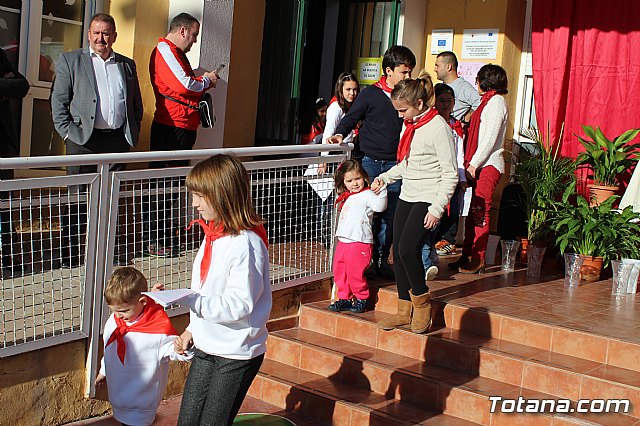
(55, 26)
(365, 29)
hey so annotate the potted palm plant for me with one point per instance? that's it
(599, 233)
(543, 175)
(606, 159)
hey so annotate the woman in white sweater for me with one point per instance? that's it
(427, 166)
(484, 164)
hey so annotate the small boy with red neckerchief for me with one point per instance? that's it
(357, 204)
(138, 344)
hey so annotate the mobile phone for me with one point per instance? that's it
(220, 67)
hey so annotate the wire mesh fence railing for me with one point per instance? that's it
(61, 237)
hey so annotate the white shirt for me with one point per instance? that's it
(111, 110)
(356, 216)
(229, 312)
(137, 386)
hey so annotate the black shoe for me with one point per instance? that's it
(340, 305)
(460, 263)
(359, 306)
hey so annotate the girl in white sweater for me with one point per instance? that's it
(356, 203)
(232, 300)
(427, 166)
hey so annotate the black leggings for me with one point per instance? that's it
(408, 238)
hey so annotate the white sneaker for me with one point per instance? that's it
(431, 273)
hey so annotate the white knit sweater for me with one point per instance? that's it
(493, 127)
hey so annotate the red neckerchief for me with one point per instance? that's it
(152, 321)
(342, 198)
(213, 233)
(473, 134)
(410, 130)
(457, 127)
(382, 84)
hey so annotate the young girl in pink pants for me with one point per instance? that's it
(357, 204)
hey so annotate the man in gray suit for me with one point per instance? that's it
(97, 108)
(95, 99)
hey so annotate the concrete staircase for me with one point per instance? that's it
(340, 369)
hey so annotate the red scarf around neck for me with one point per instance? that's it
(473, 133)
(213, 233)
(342, 198)
(382, 84)
(410, 130)
(152, 321)
(457, 127)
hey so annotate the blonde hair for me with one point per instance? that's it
(413, 90)
(224, 183)
(125, 285)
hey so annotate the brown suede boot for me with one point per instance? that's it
(421, 320)
(402, 317)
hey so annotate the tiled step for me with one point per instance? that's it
(332, 402)
(487, 358)
(533, 328)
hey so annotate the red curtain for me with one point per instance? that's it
(586, 66)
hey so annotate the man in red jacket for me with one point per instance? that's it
(175, 122)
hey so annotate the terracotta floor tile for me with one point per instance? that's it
(566, 362)
(476, 320)
(499, 367)
(593, 388)
(319, 321)
(618, 375)
(284, 351)
(555, 382)
(358, 331)
(394, 408)
(320, 362)
(578, 344)
(526, 333)
(465, 405)
(402, 342)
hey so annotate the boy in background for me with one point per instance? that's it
(378, 137)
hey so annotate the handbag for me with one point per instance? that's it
(207, 113)
(204, 108)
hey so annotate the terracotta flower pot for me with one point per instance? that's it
(524, 243)
(600, 193)
(591, 268)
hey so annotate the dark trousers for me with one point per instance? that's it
(408, 238)
(382, 222)
(215, 389)
(75, 217)
(160, 225)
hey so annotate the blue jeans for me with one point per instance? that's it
(429, 241)
(383, 222)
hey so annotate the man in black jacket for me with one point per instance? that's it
(13, 87)
(378, 137)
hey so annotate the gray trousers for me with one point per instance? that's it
(215, 389)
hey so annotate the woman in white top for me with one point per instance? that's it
(484, 164)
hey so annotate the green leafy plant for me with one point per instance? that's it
(595, 231)
(543, 176)
(607, 158)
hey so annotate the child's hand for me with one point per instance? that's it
(430, 221)
(335, 139)
(158, 287)
(322, 169)
(377, 185)
(100, 381)
(183, 342)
